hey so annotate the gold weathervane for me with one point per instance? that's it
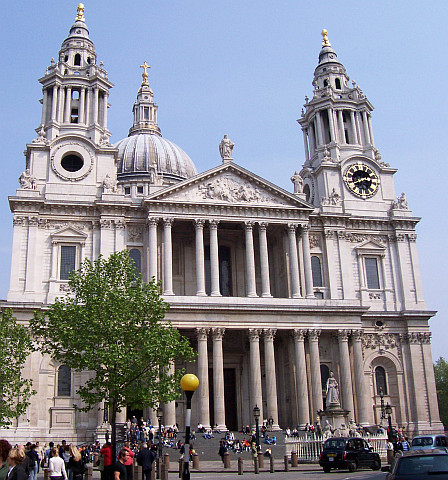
(80, 14)
(145, 67)
(325, 41)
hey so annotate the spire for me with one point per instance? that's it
(336, 121)
(145, 110)
(76, 89)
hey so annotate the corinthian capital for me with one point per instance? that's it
(202, 333)
(218, 333)
(254, 334)
(269, 333)
(314, 334)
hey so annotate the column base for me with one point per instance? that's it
(220, 428)
(310, 295)
(201, 294)
(215, 294)
(168, 293)
(296, 295)
(252, 295)
(266, 295)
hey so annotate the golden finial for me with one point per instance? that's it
(325, 41)
(80, 14)
(145, 67)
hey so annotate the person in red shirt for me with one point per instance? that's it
(129, 461)
(106, 451)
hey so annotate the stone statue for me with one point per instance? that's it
(110, 185)
(226, 148)
(402, 202)
(297, 180)
(332, 391)
(27, 181)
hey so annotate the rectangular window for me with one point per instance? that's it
(372, 276)
(68, 261)
(146, 110)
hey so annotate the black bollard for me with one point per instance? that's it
(240, 466)
(271, 464)
(286, 463)
(256, 466)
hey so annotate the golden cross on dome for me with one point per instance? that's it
(325, 41)
(145, 67)
(80, 14)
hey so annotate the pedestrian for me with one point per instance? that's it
(56, 466)
(5, 448)
(145, 458)
(76, 463)
(16, 471)
(222, 450)
(129, 461)
(106, 451)
(120, 472)
(389, 452)
(33, 461)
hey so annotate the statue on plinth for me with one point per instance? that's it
(226, 148)
(332, 392)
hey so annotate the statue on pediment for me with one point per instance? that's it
(297, 180)
(226, 148)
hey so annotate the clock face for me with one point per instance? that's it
(361, 180)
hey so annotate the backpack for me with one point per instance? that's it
(32, 459)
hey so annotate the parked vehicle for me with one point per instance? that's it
(419, 465)
(348, 453)
(429, 442)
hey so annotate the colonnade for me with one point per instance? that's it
(360, 129)
(213, 225)
(308, 378)
(91, 104)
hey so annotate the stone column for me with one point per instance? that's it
(302, 382)
(331, 125)
(54, 103)
(293, 261)
(369, 124)
(316, 382)
(218, 378)
(415, 268)
(341, 127)
(82, 106)
(319, 128)
(430, 379)
(353, 123)
(366, 127)
(256, 395)
(307, 262)
(31, 255)
(346, 375)
(358, 127)
(204, 408)
(152, 240)
(105, 100)
(88, 104)
(214, 258)
(18, 232)
(120, 232)
(68, 105)
(169, 409)
(362, 395)
(44, 107)
(311, 139)
(60, 113)
(271, 377)
(332, 263)
(250, 260)
(96, 94)
(306, 144)
(200, 259)
(264, 260)
(167, 257)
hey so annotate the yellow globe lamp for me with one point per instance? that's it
(189, 382)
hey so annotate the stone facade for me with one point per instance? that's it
(274, 289)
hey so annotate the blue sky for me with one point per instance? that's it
(243, 68)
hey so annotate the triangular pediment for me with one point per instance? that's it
(69, 234)
(230, 184)
(370, 246)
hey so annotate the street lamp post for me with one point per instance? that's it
(388, 410)
(189, 383)
(383, 415)
(256, 413)
(159, 414)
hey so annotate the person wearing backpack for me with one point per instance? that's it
(33, 462)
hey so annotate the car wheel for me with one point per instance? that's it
(376, 465)
(352, 466)
(327, 469)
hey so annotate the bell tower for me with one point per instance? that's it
(76, 89)
(342, 166)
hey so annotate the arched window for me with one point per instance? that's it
(338, 83)
(135, 255)
(317, 271)
(307, 192)
(64, 381)
(77, 60)
(380, 380)
(325, 83)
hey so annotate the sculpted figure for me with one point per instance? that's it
(226, 148)
(403, 202)
(297, 180)
(27, 181)
(332, 391)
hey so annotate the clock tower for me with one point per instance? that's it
(343, 171)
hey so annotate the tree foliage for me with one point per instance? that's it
(441, 375)
(112, 324)
(15, 346)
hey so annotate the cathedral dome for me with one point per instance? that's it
(143, 153)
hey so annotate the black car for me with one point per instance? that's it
(350, 453)
(419, 465)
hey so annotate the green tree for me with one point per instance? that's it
(15, 346)
(112, 324)
(441, 375)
